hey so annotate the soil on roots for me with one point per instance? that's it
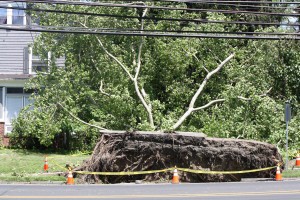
(145, 151)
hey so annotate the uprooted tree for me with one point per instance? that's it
(220, 87)
(119, 151)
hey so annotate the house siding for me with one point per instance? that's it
(13, 68)
(12, 44)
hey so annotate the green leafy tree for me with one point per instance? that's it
(225, 88)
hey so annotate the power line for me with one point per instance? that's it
(155, 18)
(247, 6)
(155, 7)
(214, 2)
(224, 1)
(152, 34)
(236, 3)
(149, 30)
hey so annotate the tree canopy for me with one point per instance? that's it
(148, 83)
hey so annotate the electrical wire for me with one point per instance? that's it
(149, 30)
(247, 6)
(232, 1)
(230, 4)
(224, 35)
(154, 18)
(151, 33)
(156, 7)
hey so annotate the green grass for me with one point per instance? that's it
(295, 173)
(27, 166)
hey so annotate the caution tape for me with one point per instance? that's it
(164, 170)
(171, 169)
(224, 172)
(72, 155)
(81, 154)
(51, 158)
(125, 173)
(58, 165)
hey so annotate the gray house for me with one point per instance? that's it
(17, 65)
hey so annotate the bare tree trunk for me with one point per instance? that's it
(148, 106)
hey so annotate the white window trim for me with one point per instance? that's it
(10, 15)
(30, 60)
(24, 17)
(7, 124)
(3, 104)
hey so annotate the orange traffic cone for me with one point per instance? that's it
(70, 179)
(278, 176)
(46, 165)
(175, 179)
(298, 160)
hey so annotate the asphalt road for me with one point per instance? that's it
(289, 190)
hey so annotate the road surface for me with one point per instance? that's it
(288, 190)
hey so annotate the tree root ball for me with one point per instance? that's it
(143, 151)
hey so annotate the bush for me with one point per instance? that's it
(37, 129)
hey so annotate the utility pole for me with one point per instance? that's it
(287, 118)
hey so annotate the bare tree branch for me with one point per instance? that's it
(261, 95)
(140, 48)
(189, 111)
(209, 104)
(110, 55)
(266, 93)
(200, 89)
(208, 76)
(221, 100)
(148, 107)
(216, 57)
(78, 119)
(194, 55)
(101, 89)
(114, 58)
(244, 98)
(133, 53)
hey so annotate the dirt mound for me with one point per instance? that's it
(116, 152)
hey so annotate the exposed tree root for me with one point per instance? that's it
(151, 151)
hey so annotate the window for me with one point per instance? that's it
(18, 17)
(34, 63)
(39, 65)
(3, 16)
(12, 16)
(16, 99)
(14, 90)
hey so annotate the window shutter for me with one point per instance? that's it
(26, 60)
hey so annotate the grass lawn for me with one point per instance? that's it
(295, 173)
(28, 166)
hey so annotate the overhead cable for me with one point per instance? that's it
(156, 7)
(154, 18)
(231, 1)
(151, 34)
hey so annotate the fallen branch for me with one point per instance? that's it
(80, 120)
